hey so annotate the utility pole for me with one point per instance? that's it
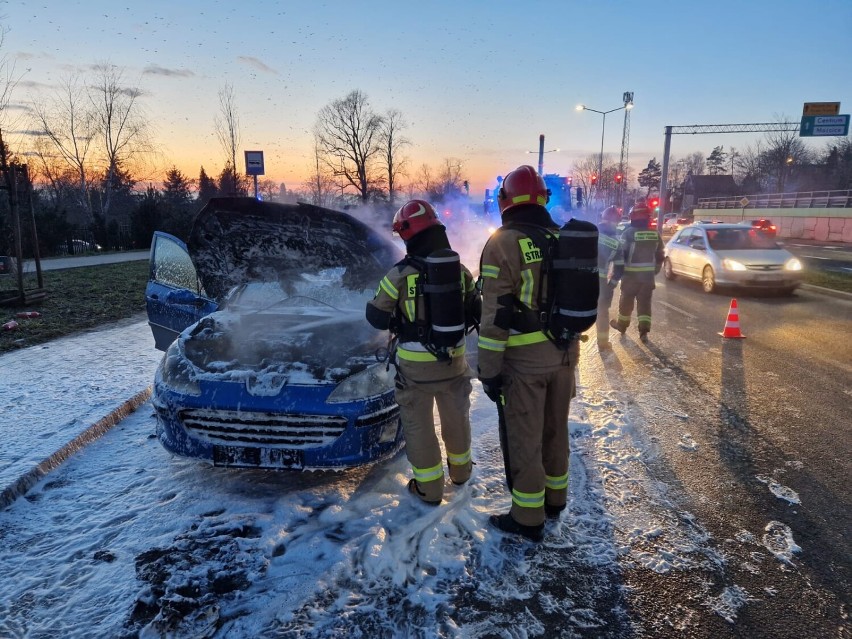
(625, 144)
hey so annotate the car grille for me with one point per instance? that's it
(269, 430)
(764, 268)
(379, 417)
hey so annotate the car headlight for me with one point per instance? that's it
(175, 372)
(793, 264)
(732, 265)
(373, 380)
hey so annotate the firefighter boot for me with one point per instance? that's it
(460, 473)
(508, 525)
(553, 512)
(621, 328)
(427, 498)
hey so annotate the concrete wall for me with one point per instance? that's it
(831, 225)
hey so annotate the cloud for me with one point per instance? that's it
(257, 64)
(153, 69)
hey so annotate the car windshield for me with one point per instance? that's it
(324, 288)
(743, 239)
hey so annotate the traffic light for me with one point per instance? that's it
(618, 178)
(594, 179)
(579, 197)
(654, 204)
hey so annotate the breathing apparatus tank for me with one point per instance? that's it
(444, 299)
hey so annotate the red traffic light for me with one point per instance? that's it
(654, 203)
(618, 178)
(594, 179)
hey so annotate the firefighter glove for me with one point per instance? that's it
(493, 387)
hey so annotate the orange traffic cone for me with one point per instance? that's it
(732, 324)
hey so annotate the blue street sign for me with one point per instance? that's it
(254, 163)
(824, 125)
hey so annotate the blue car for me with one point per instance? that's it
(268, 361)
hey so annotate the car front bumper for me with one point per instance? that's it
(294, 430)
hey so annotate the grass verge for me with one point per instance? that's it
(77, 299)
(829, 279)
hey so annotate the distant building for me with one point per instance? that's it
(696, 187)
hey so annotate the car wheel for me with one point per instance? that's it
(708, 279)
(667, 269)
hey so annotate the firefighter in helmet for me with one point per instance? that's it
(610, 269)
(426, 374)
(642, 251)
(529, 377)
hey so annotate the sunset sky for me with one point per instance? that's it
(475, 80)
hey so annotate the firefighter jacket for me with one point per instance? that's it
(399, 306)
(511, 282)
(610, 257)
(642, 252)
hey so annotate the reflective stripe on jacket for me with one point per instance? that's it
(643, 252)
(511, 279)
(398, 294)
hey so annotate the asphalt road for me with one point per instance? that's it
(822, 256)
(765, 413)
(56, 263)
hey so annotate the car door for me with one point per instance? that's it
(174, 297)
(677, 251)
(695, 256)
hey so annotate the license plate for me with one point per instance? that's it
(251, 457)
(765, 278)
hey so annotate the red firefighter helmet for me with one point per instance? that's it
(611, 215)
(413, 217)
(640, 212)
(522, 186)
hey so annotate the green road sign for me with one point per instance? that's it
(824, 125)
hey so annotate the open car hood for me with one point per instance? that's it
(236, 240)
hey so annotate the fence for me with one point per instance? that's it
(804, 200)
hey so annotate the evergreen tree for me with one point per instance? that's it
(147, 218)
(177, 204)
(230, 184)
(207, 188)
(649, 177)
(717, 161)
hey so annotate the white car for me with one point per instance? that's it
(731, 255)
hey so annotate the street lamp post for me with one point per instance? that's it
(583, 107)
(541, 153)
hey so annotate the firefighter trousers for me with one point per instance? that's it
(638, 289)
(535, 412)
(416, 403)
(604, 302)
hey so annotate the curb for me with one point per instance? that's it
(830, 292)
(93, 432)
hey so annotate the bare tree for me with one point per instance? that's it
(783, 149)
(68, 121)
(392, 143)
(121, 123)
(227, 123)
(348, 134)
(695, 163)
(320, 187)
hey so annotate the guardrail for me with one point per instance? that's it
(803, 200)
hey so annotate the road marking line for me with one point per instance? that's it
(816, 257)
(675, 308)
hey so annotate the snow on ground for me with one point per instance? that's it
(127, 540)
